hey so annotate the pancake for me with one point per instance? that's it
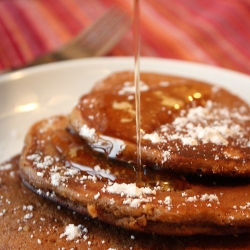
(28, 221)
(187, 126)
(59, 165)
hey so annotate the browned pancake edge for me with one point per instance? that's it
(196, 209)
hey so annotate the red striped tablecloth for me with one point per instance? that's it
(215, 32)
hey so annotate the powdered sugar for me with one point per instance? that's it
(6, 166)
(130, 190)
(88, 133)
(208, 124)
(72, 232)
(129, 88)
(133, 195)
(209, 197)
(154, 137)
(57, 178)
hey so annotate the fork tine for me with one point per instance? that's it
(114, 30)
(112, 17)
(96, 40)
(101, 36)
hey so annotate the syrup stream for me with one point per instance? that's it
(137, 86)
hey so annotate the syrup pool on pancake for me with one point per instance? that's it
(188, 125)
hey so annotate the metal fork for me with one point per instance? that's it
(97, 40)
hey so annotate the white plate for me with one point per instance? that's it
(39, 92)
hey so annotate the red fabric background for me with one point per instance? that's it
(211, 32)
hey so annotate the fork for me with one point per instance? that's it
(97, 40)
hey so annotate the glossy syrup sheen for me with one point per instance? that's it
(75, 152)
(173, 112)
(159, 105)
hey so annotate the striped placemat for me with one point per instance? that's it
(211, 32)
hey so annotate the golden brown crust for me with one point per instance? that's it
(197, 209)
(49, 221)
(53, 165)
(188, 126)
(28, 221)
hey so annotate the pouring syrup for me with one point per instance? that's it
(137, 87)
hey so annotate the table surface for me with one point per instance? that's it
(210, 32)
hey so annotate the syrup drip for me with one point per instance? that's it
(75, 152)
(137, 86)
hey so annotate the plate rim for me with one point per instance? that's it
(162, 65)
(112, 59)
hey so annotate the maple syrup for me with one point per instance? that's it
(137, 86)
(75, 152)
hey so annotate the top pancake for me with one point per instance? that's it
(187, 125)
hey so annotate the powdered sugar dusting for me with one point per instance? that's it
(130, 190)
(208, 124)
(72, 232)
(88, 133)
(133, 195)
(129, 88)
(7, 166)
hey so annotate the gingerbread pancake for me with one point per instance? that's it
(29, 221)
(59, 165)
(187, 125)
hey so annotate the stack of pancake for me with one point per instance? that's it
(194, 187)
